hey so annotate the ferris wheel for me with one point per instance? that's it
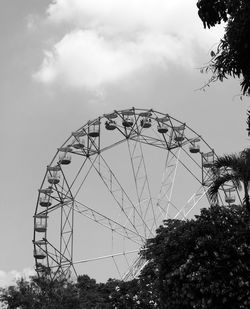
(110, 186)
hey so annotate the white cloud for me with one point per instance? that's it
(118, 15)
(111, 39)
(83, 58)
(10, 278)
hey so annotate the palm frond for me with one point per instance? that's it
(227, 161)
(245, 156)
(220, 180)
(234, 168)
(248, 122)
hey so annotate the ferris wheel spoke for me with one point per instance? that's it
(84, 179)
(189, 170)
(192, 202)
(116, 266)
(106, 222)
(143, 192)
(113, 145)
(64, 190)
(135, 269)
(77, 175)
(109, 256)
(164, 200)
(121, 198)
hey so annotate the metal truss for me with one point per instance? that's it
(144, 198)
(135, 270)
(120, 196)
(164, 200)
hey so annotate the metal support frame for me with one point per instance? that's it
(119, 195)
(144, 198)
(164, 200)
(141, 216)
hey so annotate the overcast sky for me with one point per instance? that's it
(65, 62)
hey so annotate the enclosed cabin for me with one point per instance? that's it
(128, 119)
(146, 120)
(40, 223)
(178, 133)
(194, 146)
(79, 142)
(94, 128)
(53, 174)
(40, 249)
(64, 155)
(40, 268)
(208, 159)
(229, 195)
(163, 125)
(110, 124)
(45, 197)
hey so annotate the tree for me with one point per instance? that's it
(235, 168)
(59, 293)
(94, 295)
(232, 55)
(86, 293)
(40, 293)
(24, 295)
(130, 295)
(201, 263)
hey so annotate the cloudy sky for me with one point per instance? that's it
(64, 62)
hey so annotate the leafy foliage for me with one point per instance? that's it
(94, 295)
(126, 295)
(202, 263)
(40, 293)
(232, 55)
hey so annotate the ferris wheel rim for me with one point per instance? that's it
(147, 113)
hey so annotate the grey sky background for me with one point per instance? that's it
(65, 62)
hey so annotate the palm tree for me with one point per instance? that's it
(235, 168)
(248, 122)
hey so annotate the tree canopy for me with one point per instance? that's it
(232, 55)
(85, 293)
(40, 293)
(201, 263)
